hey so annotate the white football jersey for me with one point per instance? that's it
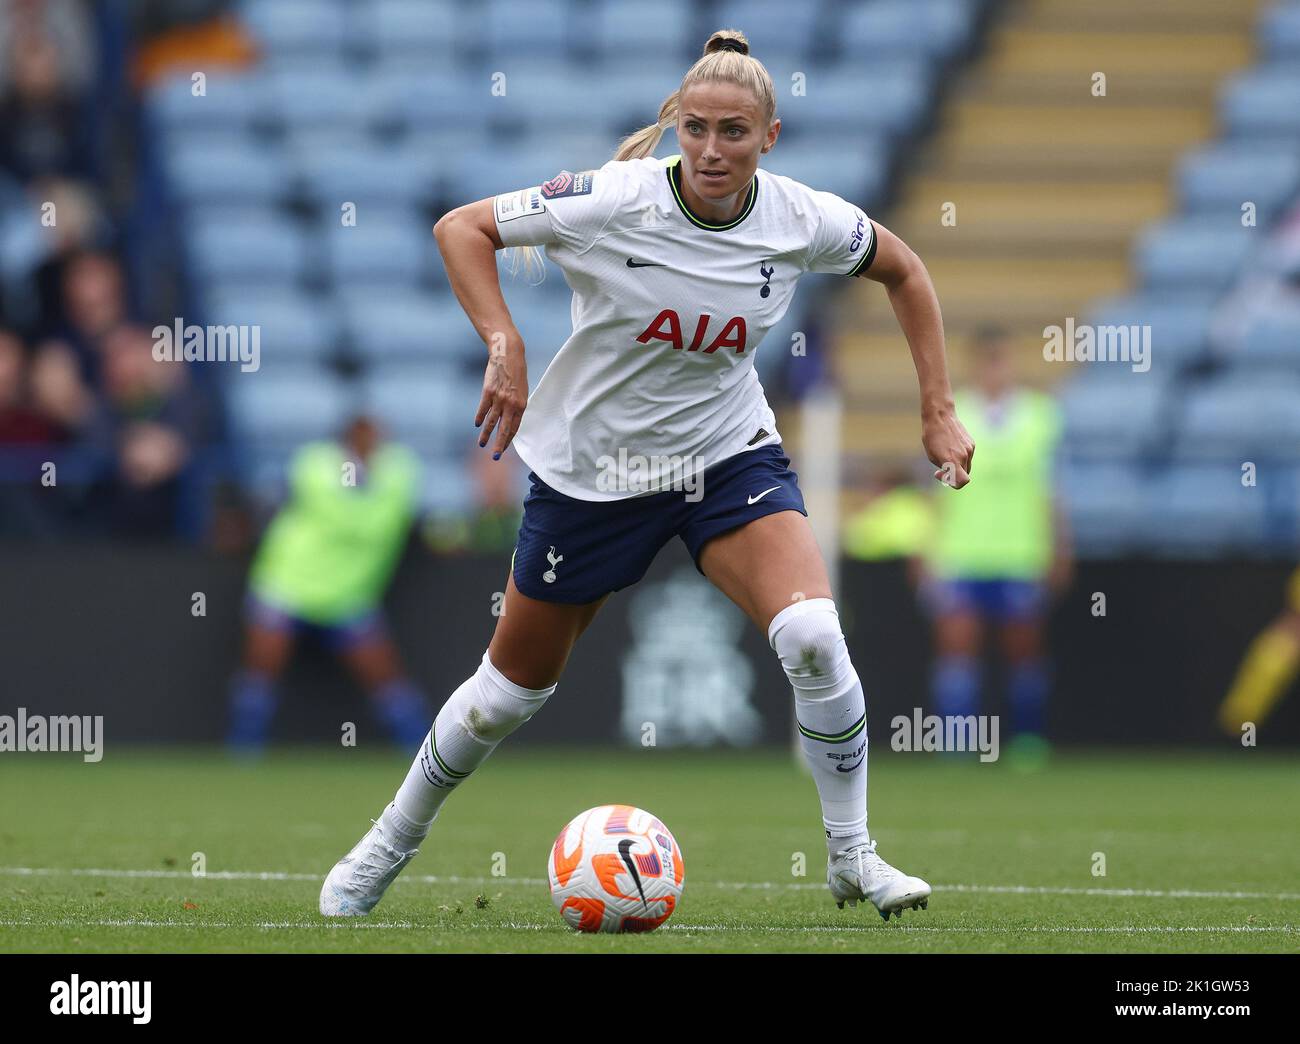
(668, 310)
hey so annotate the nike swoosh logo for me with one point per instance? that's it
(645, 264)
(624, 849)
(755, 500)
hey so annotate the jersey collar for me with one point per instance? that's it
(675, 183)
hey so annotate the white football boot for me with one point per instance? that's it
(359, 880)
(858, 873)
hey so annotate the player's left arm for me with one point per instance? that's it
(916, 305)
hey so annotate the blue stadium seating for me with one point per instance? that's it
(1279, 31)
(938, 28)
(1115, 413)
(391, 325)
(1223, 176)
(315, 27)
(1105, 502)
(1263, 101)
(296, 327)
(1272, 339)
(234, 171)
(260, 252)
(1199, 250)
(1179, 322)
(1200, 510)
(1239, 417)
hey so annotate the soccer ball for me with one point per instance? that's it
(615, 868)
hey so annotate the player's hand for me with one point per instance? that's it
(949, 447)
(505, 393)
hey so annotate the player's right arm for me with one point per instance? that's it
(468, 240)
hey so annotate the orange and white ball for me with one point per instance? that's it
(616, 868)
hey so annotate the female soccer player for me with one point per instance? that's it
(678, 269)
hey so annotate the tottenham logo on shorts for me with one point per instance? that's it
(554, 559)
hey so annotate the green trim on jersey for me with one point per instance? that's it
(674, 165)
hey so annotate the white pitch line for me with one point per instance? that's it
(353, 923)
(532, 882)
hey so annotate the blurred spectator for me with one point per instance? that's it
(1001, 545)
(21, 424)
(323, 567)
(155, 419)
(40, 119)
(64, 22)
(94, 304)
(493, 524)
(897, 521)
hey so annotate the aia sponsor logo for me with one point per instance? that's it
(667, 327)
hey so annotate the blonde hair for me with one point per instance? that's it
(726, 59)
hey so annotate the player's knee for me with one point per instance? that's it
(807, 637)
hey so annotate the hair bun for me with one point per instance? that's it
(718, 42)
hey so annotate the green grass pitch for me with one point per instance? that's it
(1201, 852)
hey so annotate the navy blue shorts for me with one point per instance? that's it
(576, 551)
(1000, 598)
(338, 636)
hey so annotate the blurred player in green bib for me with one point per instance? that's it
(322, 569)
(999, 549)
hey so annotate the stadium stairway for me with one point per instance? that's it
(1048, 184)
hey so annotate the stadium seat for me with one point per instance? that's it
(295, 326)
(1114, 413)
(407, 325)
(252, 253)
(779, 33)
(419, 403)
(291, 405)
(1279, 31)
(383, 249)
(229, 102)
(858, 173)
(1203, 251)
(1204, 510)
(1263, 102)
(515, 28)
(445, 486)
(435, 98)
(1105, 502)
(938, 28)
(1225, 175)
(664, 33)
(1179, 324)
(320, 94)
(1272, 339)
(203, 170)
(427, 30)
(840, 104)
(371, 176)
(1251, 416)
(281, 27)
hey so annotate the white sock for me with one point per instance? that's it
(831, 712)
(486, 708)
